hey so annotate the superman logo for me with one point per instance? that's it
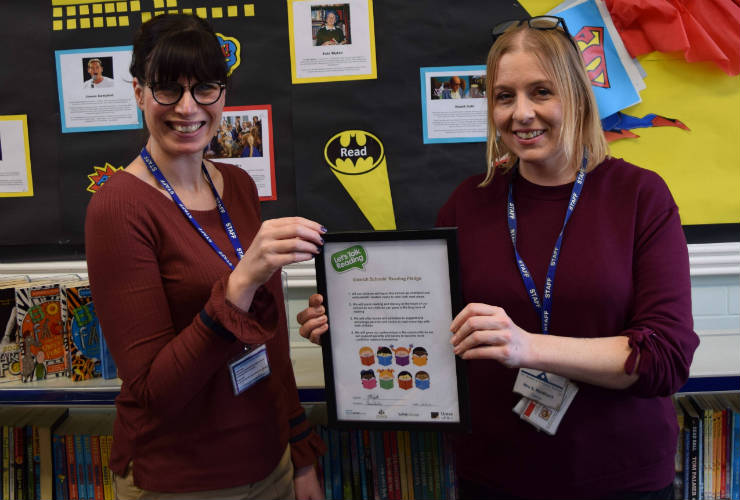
(590, 41)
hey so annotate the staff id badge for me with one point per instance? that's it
(543, 387)
(542, 417)
(248, 369)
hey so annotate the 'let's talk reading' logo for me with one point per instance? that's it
(352, 257)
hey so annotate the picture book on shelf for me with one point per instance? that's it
(41, 331)
(83, 332)
(10, 361)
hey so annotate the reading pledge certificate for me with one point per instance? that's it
(389, 308)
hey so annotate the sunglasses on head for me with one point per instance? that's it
(536, 23)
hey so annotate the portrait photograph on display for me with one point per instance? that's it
(457, 87)
(97, 72)
(453, 104)
(330, 25)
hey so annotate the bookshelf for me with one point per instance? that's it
(715, 273)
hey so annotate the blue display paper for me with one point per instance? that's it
(615, 92)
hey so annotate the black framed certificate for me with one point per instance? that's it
(390, 297)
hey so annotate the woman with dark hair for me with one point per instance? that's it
(600, 346)
(330, 33)
(187, 287)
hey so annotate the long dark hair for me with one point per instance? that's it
(169, 46)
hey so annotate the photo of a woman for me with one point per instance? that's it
(333, 29)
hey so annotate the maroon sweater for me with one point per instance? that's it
(159, 293)
(623, 270)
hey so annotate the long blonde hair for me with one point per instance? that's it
(581, 133)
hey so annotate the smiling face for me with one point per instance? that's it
(528, 113)
(331, 19)
(181, 129)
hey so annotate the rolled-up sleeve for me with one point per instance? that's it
(661, 332)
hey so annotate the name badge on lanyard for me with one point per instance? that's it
(546, 395)
(248, 369)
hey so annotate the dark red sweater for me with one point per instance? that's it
(623, 270)
(158, 290)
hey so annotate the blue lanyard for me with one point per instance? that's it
(225, 219)
(544, 308)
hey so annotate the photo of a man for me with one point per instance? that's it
(96, 71)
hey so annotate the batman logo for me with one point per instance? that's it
(590, 40)
(353, 152)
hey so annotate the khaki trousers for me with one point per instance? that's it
(278, 485)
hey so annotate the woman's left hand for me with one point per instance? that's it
(306, 484)
(482, 331)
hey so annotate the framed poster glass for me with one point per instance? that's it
(390, 297)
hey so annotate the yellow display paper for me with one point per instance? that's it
(353, 59)
(357, 159)
(15, 157)
(700, 166)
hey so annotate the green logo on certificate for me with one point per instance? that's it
(348, 258)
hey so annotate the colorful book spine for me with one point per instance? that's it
(393, 439)
(369, 471)
(401, 447)
(87, 457)
(105, 445)
(72, 469)
(31, 474)
(81, 468)
(20, 467)
(97, 467)
(61, 489)
(6, 460)
(36, 463)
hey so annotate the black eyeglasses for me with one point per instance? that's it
(535, 23)
(169, 93)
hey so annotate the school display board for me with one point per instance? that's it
(339, 109)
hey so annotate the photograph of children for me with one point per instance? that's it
(238, 137)
(458, 87)
(330, 25)
(97, 72)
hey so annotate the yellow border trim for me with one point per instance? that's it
(373, 63)
(24, 120)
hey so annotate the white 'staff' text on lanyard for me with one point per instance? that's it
(225, 219)
(544, 308)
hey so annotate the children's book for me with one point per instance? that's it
(44, 421)
(10, 361)
(41, 331)
(83, 331)
(61, 486)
